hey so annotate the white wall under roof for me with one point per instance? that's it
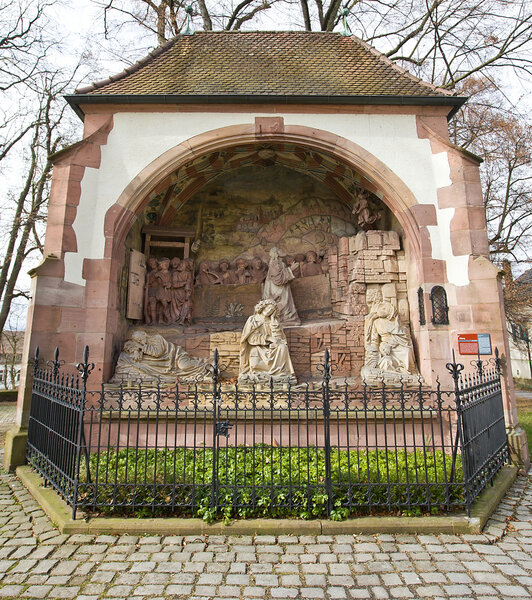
(139, 138)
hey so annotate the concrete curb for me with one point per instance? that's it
(61, 515)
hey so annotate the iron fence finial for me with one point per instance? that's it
(36, 360)
(85, 368)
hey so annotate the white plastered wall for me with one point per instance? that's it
(139, 138)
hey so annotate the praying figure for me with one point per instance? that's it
(277, 288)
(264, 352)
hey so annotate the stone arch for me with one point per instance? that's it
(395, 193)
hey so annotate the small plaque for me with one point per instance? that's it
(474, 343)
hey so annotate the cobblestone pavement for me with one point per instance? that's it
(37, 562)
(8, 411)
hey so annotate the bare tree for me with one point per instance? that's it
(488, 126)
(31, 127)
(28, 203)
(518, 306)
(166, 18)
(21, 40)
(11, 342)
(443, 41)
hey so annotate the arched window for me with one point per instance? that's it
(440, 308)
(421, 306)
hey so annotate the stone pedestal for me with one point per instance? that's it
(15, 448)
(518, 444)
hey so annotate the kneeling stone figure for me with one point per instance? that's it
(264, 352)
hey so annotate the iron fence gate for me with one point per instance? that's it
(215, 449)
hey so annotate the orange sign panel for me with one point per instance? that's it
(474, 343)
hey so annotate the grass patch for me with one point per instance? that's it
(523, 384)
(525, 421)
(267, 481)
(524, 410)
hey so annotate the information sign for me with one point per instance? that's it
(474, 343)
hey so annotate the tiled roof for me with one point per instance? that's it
(526, 277)
(265, 64)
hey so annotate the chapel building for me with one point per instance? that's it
(218, 147)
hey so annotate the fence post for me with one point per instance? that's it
(85, 368)
(215, 407)
(327, 429)
(455, 369)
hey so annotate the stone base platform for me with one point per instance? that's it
(307, 343)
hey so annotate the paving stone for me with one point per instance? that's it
(13, 591)
(254, 592)
(266, 580)
(515, 591)
(179, 589)
(64, 592)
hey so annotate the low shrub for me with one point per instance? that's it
(8, 395)
(267, 481)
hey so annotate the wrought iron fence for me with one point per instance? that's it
(220, 450)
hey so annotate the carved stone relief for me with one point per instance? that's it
(389, 351)
(277, 288)
(152, 358)
(168, 295)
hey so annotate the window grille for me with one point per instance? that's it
(421, 305)
(440, 308)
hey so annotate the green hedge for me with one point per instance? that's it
(8, 395)
(267, 481)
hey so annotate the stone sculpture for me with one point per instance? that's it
(153, 358)
(297, 268)
(206, 276)
(388, 345)
(182, 286)
(168, 293)
(277, 288)
(186, 309)
(227, 275)
(163, 292)
(362, 210)
(311, 266)
(178, 288)
(150, 300)
(264, 354)
(258, 270)
(243, 276)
